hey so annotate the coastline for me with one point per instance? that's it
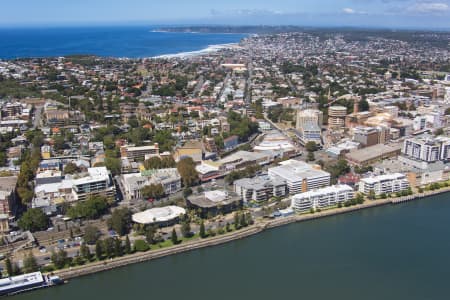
(141, 42)
(204, 51)
(106, 265)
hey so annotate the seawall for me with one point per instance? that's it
(222, 239)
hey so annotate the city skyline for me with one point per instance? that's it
(352, 13)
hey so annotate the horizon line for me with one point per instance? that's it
(164, 24)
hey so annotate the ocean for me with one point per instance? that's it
(120, 42)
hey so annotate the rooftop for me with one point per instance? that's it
(372, 152)
(159, 214)
(295, 170)
(376, 179)
(8, 184)
(325, 190)
(242, 156)
(213, 198)
(259, 182)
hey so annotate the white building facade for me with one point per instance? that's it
(322, 198)
(384, 184)
(427, 149)
(300, 176)
(132, 184)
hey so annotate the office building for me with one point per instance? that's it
(310, 132)
(51, 194)
(366, 136)
(309, 116)
(133, 184)
(98, 182)
(300, 176)
(139, 153)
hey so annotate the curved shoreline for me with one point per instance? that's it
(118, 262)
(208, 50)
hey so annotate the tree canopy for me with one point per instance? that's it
(92, 208)
(91, 234)
(71, 168)
(241, 126)
(311, 146)
(188, 173)
(120, 221)
(33, 219)
(155, 191)
(363, 105)
(154, 163)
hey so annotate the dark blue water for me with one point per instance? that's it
(132, 42)
(397, 252)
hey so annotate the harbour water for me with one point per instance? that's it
(131, 42)
(390, 252)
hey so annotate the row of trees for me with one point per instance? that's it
(29, 265)
(242, 219)
(359, 199)
(156, 163)
(29, 164)
(107, 248)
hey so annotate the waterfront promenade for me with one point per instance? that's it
(222, 239)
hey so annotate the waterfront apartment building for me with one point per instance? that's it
(299, 176)
(322, 198)
(260, 188)
(428, 149)
(384, 184)
(139, 153)
(132, 184)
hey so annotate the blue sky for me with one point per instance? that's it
(368, 13)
